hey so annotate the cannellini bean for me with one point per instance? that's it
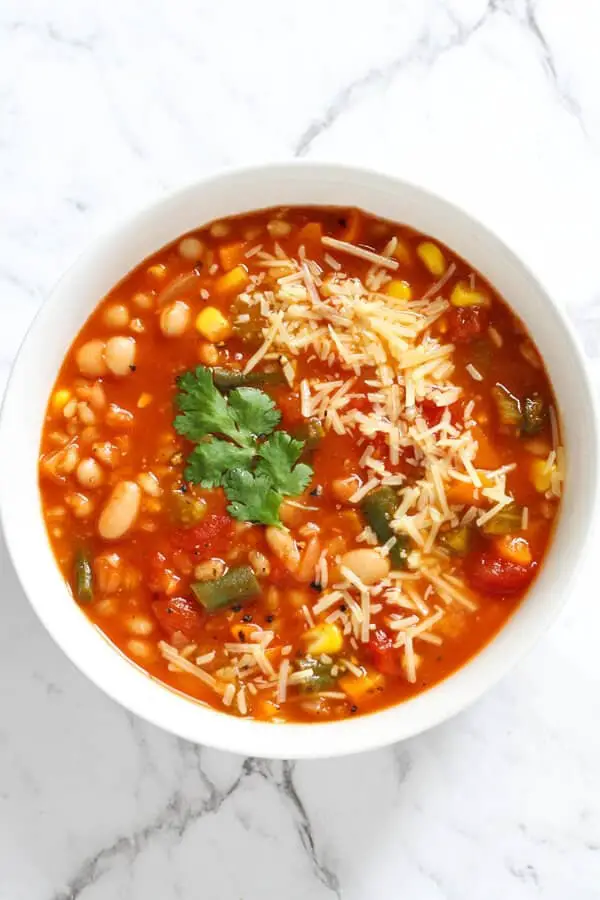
(220, 229)
(89, 434)
(116, 316)
(119, 354)
(106, 453)
(143, 300)
(174, 319)
(209, 570)
(278, 228)
(367, 564)
(290, 514)
(68, 459)
(260, 563)
(283, 546)
(86, 414)
(139, 625)
(108, 572)
(81, 506)
(143, 650)
(149, 484)
(120, 511)
(343, 488)
(89, 474)
(191, 248)
(117, 417)
(90, 359)
(107, 606)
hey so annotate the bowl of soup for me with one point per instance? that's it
(298, 462)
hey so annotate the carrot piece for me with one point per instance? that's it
(311, 233)
(232, 282)
(352, 230)
(515, 549)
(487, 456)
(232, 255)
(459, 492)
(242, 632)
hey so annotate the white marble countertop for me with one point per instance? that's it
(102, 107)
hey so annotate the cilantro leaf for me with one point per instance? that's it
(204, 410)
(252, 497)
(254, 411)
(278, 454)
(211, 460)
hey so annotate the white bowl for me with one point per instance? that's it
(92, 277)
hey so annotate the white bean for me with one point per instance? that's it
(90, 358)
(120, 354)
(220, 229)
(278, 228)
(209, 570)
(116, 316)
(367, 564)
(174, 319)
(283, 546)
(89, 474)
(259, 563)
(143, 650)
(191, 249)
(140, 625)
(120, 511)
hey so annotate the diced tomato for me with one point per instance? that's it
(179, 614)
(385, 657)
(492, 574)
(466, 322)
(209, 538)
(289, 404)
(431, 412)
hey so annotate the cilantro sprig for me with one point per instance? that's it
(237, 447)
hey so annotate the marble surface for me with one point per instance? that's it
(103, 106)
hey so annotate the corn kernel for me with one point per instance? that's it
(157, 271)
(400, 290)
(463, 295)
(324, 638)
(144, 400)
(541, 475)
(212, 325)
(60, 399)
(432, 257)
(232, 282)
(358, 688)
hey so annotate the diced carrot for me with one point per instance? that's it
(311, 233)
(459, 492)
(232, 255)
(232, 282)
(487, 456)
(352, 231)
(515, 549)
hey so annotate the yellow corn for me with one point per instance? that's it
(232, 282)
(401, 290)
(432, 257)
(60, 399)
(324, 638)
(358, 688)
(463, 295)
(212, 325)
(157, 271)
(541, 475)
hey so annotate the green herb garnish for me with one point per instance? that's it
(237, 447)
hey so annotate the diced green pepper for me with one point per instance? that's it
(227, 379)
(507, 521)
(534, 415)
(508, 406)
(84, 578)
(235, 586)
(457, 540)
(186, 509)
(311, 432)
(378, 508)
(321, 679)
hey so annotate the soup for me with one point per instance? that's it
(301, 464)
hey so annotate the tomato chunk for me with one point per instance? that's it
(492, 574)
(385, 657)
(466, 323)
(209, 538)
(179, 614)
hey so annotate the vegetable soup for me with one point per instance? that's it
(301, 464)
